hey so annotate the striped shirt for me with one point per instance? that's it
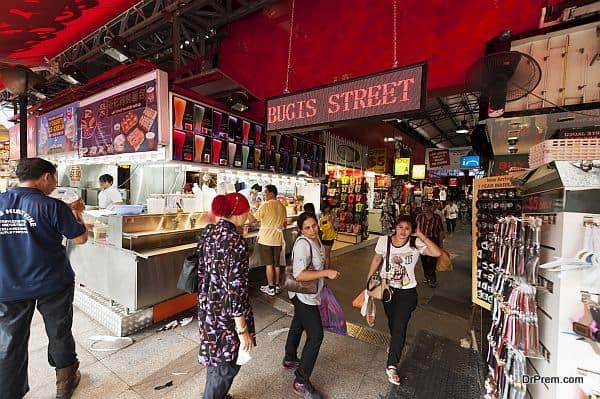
(432, 227)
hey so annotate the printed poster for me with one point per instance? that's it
(121, 123)
(57, 131)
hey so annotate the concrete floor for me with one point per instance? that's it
(346, 368)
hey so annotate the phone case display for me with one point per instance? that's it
(348, 196)
(205, 135)
(514, 334)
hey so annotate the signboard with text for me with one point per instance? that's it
(418, 172)
(401, 166)
(57, 131)
(504, 164)
(378, 160)
(445, 158)
(14, 142)
(386, 93)
(121, 123)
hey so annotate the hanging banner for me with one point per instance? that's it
(57, 131)
(120, 123)
(418, 172)
(446, 158)
(31, 137)
(401, 166)
(14, 142)
(378, 160)
(374, 96)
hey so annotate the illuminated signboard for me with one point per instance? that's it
(418, 172)
(401, 166)
(469, 161)
(386, 93)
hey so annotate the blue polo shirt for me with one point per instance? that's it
(33, 261)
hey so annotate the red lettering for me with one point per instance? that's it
(389, 96)
(359, 96)
(272, 114)
(405, 83)
(374, 94)
(346, 96)
(311, 107)
(281, 113)
(300, 109)
(290, 115)
(333, 105)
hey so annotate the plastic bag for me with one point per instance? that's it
(444, 264)
(332, 315)
(359, 300)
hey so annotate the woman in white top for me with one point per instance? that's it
(404, 250)
(110, 195)
(307, 250)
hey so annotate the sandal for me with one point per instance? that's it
(393, 376)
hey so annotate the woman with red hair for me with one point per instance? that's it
(225, 318)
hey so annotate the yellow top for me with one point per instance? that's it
(327, 228)
(272, 216)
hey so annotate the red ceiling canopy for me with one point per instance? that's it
(33, 29)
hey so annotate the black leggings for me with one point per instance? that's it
(398, 311)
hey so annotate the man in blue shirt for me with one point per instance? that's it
(35, 271)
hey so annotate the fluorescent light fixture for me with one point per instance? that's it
(566, 119)
(118, 49)
(463, 128)
(238, 101)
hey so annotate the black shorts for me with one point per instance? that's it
(328, 243)
(269, 255)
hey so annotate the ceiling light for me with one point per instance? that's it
(238, 101)
(513, 150)
(72, 75)
(463, 128)
(566, 119)
(38, 94)
(118, 49)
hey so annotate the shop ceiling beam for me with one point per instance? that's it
(446, 109)
(439, 129)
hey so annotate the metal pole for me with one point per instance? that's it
(23, 126)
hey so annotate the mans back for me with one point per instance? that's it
(33, 259)
(272, 216)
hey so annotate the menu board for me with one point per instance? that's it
(57, 131)
(121, 123)
(205, 135)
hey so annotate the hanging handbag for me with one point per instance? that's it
(188, 278)
(289, 282)
(377, 286)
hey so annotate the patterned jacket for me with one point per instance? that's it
(222, 292)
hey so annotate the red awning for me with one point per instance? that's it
(31, 30)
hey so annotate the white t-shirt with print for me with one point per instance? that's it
(451, 211)
(301, 260)
(107, 198)
(402, 261)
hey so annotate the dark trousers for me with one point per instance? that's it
(451, 225)
(429, 264)
(15, 323)
(306, 318)
(219, 379)
(398, 311)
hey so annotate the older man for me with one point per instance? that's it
(431, 225)
(35, 272)
(272, 216)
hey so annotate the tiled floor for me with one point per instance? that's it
(346, 368)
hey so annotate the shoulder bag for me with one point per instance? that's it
(188, 278)
(377, 286)
(288, 282)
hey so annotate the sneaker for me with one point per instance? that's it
(290, 364)
(306, 391)
(268, 290)
(277, 289)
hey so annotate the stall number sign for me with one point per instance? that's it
(378, 160)
(392, 92)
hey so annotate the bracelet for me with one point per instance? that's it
(241, 330)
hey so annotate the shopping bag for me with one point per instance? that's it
(444, 264)
(332, 315)
(359, 300)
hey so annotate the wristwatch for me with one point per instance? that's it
(241, 330)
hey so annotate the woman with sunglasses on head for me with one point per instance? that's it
(404, 247)
(307, 252)
(225, 318)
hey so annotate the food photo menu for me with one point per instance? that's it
(122, 123)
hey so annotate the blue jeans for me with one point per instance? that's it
(15, 323)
